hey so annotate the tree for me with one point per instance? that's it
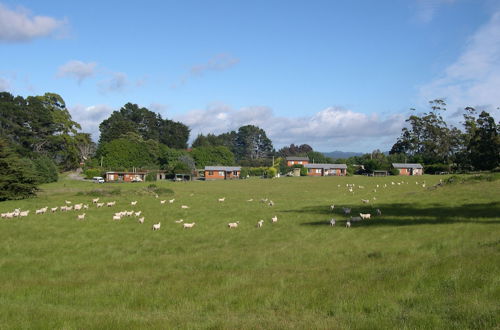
(46, 170)
(294, 150)
(17, 179)
(318, 158)
(212, 155)
(252, 143)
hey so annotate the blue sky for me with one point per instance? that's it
(338, 75)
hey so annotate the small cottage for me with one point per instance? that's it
(290, 161)
(222, 172)
(326, 169)
(125, 176)
(409, 169)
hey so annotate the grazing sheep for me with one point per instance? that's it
(63, 209)
(129, 213)
(41, 211)
(117, 217)
(69, 208)
(271, 203)
(260, 223)
(346, 210)
(78, 207)
(423, 185)
(163, 202)
(392, 182)
(332, 207)
(138, 214)
(375, 190)
(9, 215)
(365, 201)
(157, 226)
(95, 200)
(24, 213)
(179, 221)
(250, 200)
(188, 225)
(184, 207)
(222, 199)
(134, 203)
(109, 204)
(379, 212)
(81, 216)
(86, 207)
(374, 198)
(141, 220)
(99, 204)
(361, 187)
(233, 224)
(171, 201)
(263, 200)
(156, 196)
(332, 222)
(67, 202)
(274, 219)
(348, 224)
(365, 215)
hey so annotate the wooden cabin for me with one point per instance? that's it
(290, 161)
(326, 169)
(126, 176)
(409, 169)
(222, 172)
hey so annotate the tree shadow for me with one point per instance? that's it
(401, 214)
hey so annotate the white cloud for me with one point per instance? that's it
(426, 9)
(219, 62)
(329, 129)
(90, 117)
(77, 69)
(474, 78)
(158, 107)
(19, 25)
(117, 83)
(4, 85)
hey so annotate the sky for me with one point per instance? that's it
(337, 75)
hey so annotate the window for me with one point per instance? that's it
(221, 173)
(235, 173)
(210, 172)
(318, 170)
(300, 162)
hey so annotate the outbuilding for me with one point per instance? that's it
(222, 172)
(290, 161)
(326, 169)
(125, 176)
(409, 169)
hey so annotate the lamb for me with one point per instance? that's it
(332, 222)
(179, 221)
(171, 201)
(222, 199)
(184, 207)
(67, 202)
(163, 201)
(141, 220)
(99, 205)
(332, 207)
(274, 219)
(95, 200)
(78, 207)
(138, 214)
(379, 212)
(81, 216)
(86, 207)
(260, 223)
(134, 203)
(157, 226)
(250, 200)
(9, 215)
(346, 210)
(365, 201)
(188, 225)
(271, 203)
(41, 211)
(69, 208)
(109, 204)
(129, 213)
(233, 224)
(117, 217)
(63, 209)
(348, 224)
(24, 213)
(365, 215)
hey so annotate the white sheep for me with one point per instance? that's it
(346, 210)
(365, 201)
(24, 213)
(67, 202)
(188, 225)
(379, 212)
(271, 203)
(86, 206)
(63, 209)
(250, 200)
(141, 220)
(81, 216)
(365, 215)
(78, 207)
(99, 205)
(356, 219)
(157, 226)
(332, 207)
(134, 203)
(348, 224)
(129, 213)
(233, 224)
(171, 201)
(222, 199)
(332, 222)
(184, 207)
(138, 214)
(179, 221)
(274, 219)
(117, 217)
(69, 208)
(95, 200)
(109, 204)
(163, 201)
(260, 223)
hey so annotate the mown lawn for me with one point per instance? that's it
(431, 260)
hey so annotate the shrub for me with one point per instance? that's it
(92, 172)
(394, 171)
(151, 176)
(271, 172)
(303, 171)
(436, 168)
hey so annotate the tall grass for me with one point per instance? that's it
(430, 261)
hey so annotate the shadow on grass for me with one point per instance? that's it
(408, 214)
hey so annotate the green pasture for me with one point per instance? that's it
(430, 261)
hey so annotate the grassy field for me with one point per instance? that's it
(431, 260)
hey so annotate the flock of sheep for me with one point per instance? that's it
(117, 216)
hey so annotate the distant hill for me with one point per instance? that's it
(341, 154)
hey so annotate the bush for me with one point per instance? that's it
(436, 168)
(46, 169)
(92, 172)
(271, 172)
(394, 171)
(151, 176)
(303, 171)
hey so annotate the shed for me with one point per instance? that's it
(222, 172)
(326, 169)
(125, 176)
(409, 169)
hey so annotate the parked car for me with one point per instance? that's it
(98, 179)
